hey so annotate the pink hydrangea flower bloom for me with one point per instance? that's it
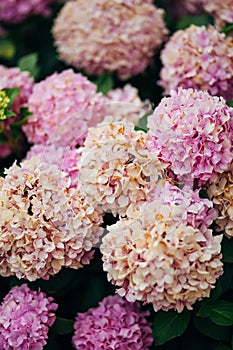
(125, 104)
(199, 58)
(114, 324)
(44, 226)
(64, 157)
(222, 11)
(116, 170)
(116, 36)
(64, 105)
(191, 208)
(16, 11)
(192, 130)
(25, 318)
(158, 257)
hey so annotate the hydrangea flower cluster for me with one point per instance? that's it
(222, 11)
(193, 131)
(200, 58)
(109, 36)
(159, 257)
(64, 157)
(220, 191)
(16, 11)
(64, 105)
(43, 226)
(116, 170)
(114, 324)
(125, 104)
(25, 318)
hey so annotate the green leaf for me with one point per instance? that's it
(24, 115)
(142, 124)
(205, 309)
(210, 329)
(230, 103)
(29, 63)
(15, 131)
(227, 250)
(7, 49)
(169, 325)
(206, 304)
(11, 93)
(59, 283)
(9, 114)
(63, 326)
(227, 278)
(186, 21)
(53, 342)
(104, 83)
(228, 29)
(222, 313)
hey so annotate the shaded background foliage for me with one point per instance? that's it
(29, 45)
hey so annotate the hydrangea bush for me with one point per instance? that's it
(116, 175)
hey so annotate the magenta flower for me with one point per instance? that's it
(114, 324)
(193, 132)
(25, 318)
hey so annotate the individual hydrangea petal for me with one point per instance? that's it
(64, 105)
(43, 226)
(116, 170)
(199, 58)
(16, 11)
(114, 324)
(222, 11)
(125, 104)
(64, 157)
(160, 258)
(220, 191)
(193, 131)
(25, 319)
(109, 36)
